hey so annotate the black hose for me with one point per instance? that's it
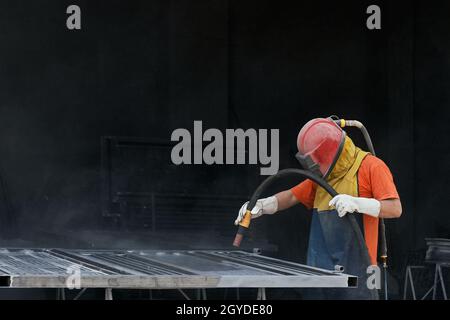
(283, 173)
(321, 182)
(383, 242)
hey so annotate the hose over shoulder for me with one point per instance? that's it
(321, 182)
(284, 173)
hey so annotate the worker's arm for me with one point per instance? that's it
(389, 208)
(286, 199)
(281, 201)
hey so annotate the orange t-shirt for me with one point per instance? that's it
(374, 181)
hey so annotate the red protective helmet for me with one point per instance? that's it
(319, 145)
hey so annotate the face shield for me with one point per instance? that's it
(308, 164)
(319, 144)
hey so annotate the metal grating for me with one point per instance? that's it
(37, 262)
(161, 269)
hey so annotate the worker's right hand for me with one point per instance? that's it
(263, 206)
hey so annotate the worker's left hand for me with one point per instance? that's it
(345, 203)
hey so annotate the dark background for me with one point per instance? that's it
(145, 68)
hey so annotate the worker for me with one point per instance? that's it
(365, 186)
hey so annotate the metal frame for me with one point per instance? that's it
(438, 279)
(438, 254)
(438, 273)
(152, 269)
(409, 280)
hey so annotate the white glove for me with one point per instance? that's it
(263, 206)
(345, 203)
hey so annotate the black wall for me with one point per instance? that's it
(145, 68)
